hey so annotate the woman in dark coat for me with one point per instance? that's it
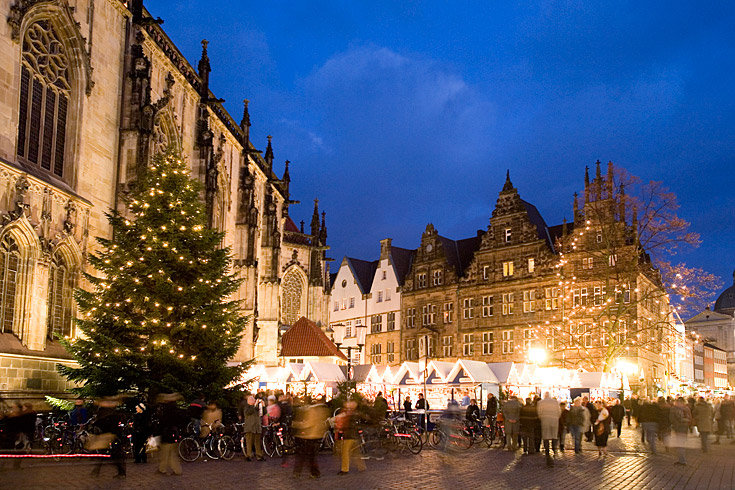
(141, 432)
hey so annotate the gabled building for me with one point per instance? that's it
(305, 341)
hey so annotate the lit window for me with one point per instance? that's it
(486, 272)
(588, 263)
(437, 278)
(507, 235)
(531, 265)
(552, 298)
(507, 268)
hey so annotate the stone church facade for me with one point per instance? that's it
(89, 91)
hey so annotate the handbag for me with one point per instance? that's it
(600, 429)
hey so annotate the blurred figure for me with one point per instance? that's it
(109, 422)
(79, 414)
(380, 406)
(593, 416)
(252, 429)
(310, 425)
(627, 405)
(577, 421)
(286, 405)
(681, 418)
(195, 410)
(472, 414)
(407, 404)
(491, 408)
(562, 424)
(529, 418)
(549, 412)
(211, 419)
(649, 415)
(273, 410)
(664, 423)
(345, 423)
(617, 412)
(141, 432)
(703, 416)
(170, 418)
(512, 415)
(601, 428)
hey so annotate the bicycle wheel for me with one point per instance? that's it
(269, 445)
(487, 435)
(414, 443)
(211, 447)
(436, 438)
(227, 448)
(189, 449)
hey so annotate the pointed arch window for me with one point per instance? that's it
(60, 291)
(44, 99)
(293, 290)
(9, 264)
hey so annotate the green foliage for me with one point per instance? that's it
(159, 318)
(59, 404)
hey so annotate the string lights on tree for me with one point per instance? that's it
(159, 315)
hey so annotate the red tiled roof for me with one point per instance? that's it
(305, 338)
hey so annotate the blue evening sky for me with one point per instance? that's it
(400, 113)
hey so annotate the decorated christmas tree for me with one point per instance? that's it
(159, 316)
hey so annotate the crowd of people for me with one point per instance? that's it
(534, 425)
(529, 423)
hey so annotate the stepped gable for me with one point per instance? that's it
(305, 338)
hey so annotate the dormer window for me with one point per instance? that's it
(507, 234)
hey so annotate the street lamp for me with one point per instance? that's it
(537, 355)
(360, 331)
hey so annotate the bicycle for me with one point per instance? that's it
(215, 445)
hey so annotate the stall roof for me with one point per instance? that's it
(505, 372)
(408, 374)
(294, 370)
(468, 371)
(322, 372)
(438, 371)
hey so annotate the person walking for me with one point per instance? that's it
(617, 412)
(511, 411)
(170, 418)
(347, 434)
(310, 424)
(549, 412)
(703, 415)
(648, 417)
(628, 406)
(727, 414)
(577, 420)
(108, 422)
(253, 429)
(601, 428)
(681, 418)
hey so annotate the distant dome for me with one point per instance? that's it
(726, 302)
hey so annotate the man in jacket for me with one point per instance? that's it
(549, 412)
(617, 413)
(511, 416)
(529, 418)
(253, 429)
(703, 415)
(346, 426)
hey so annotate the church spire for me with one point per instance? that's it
(315, 220)
(575, 209)
(508, 186)
(286, 175)
(323, 230)
(269, 154)
(204, 70)
(586, 184)
(610, 180)
(245, 124)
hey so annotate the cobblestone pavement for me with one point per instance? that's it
(628, 466)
